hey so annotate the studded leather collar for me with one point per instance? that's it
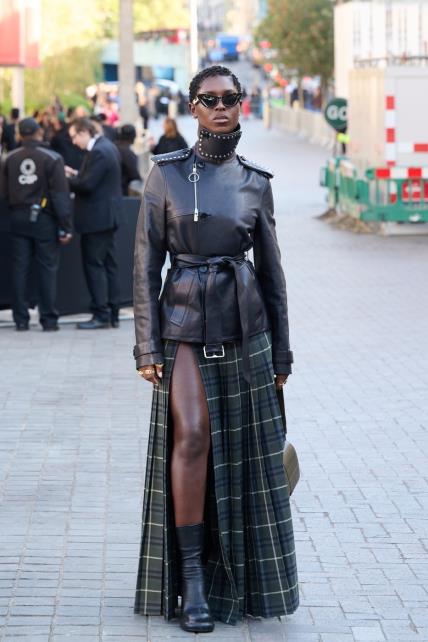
(218, 147)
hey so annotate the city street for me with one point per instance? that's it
(74, 425)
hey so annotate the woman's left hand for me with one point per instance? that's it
(280, 380)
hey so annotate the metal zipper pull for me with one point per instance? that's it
(193, 178)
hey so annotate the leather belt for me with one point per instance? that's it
(212, 302)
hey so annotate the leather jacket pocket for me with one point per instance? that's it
(181, 284)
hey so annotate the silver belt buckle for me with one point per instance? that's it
(214, 356)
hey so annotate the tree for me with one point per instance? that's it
(149, 15)
(72, 37)
(73, 34)
(302, 33)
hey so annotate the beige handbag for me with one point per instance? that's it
(290, 459)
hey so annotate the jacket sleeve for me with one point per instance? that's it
(92, 174)
(267, 262)
(4, 187)
(149, 257)
(59, 194)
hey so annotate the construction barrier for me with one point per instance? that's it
(395, 194)
(398, 194)
(329, 178)
(348, 194)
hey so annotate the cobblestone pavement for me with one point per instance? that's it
(74, 420)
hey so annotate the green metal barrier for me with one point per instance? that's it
(397, 194)
(348, 193)
(329, 178)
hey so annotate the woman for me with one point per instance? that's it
(171, 140)
(217, 526)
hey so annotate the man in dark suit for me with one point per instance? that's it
(98, 206)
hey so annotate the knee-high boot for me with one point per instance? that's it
(195, 615)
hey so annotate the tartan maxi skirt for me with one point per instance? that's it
(249, 550)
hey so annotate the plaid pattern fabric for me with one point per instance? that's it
(250, 553)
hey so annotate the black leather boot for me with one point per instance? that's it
(195, 614)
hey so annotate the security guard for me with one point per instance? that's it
(34, 185)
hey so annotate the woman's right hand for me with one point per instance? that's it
(152, 373)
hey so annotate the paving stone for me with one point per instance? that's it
(26, 638)
(30, 631)
(162, 637)
(419, 616)
(36, 619)
(131, 638)
(403, 632)
(368, 633)
(29, 610)
(76, 630)
(123, 629)
(75, 638)
(76, 620)
(266, 637)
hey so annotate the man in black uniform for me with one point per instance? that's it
(34, 185)
(98, 213)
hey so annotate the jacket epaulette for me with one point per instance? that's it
(169, 157)
(257, 168)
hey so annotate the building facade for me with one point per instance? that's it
(376, 33)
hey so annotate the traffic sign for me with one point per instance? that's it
(336, 113)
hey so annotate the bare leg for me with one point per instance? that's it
(191, 438)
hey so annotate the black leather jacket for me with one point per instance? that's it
(212, 293)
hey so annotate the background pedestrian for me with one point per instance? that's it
(171, 140)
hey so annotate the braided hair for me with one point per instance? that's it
(209, 72)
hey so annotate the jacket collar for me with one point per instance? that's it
(93, 142)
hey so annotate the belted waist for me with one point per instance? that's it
(212, 303)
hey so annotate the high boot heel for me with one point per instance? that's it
(195, 614)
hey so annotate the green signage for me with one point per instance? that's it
(336, 113)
